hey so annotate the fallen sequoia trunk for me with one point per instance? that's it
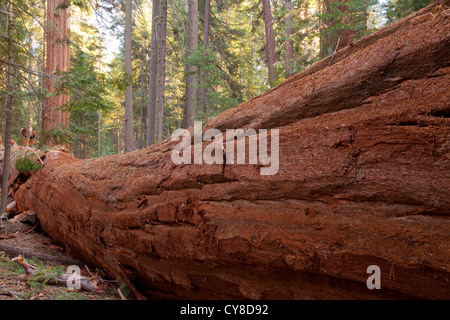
(364, 179)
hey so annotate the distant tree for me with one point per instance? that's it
(8, 114)
(289, 42)
(153, 75)
(129, 137)
(206, 29)
(191, 78)
(270, 41)
(398, 9)
(161, 69)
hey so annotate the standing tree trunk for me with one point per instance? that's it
(30, 101)
(141, 108)
(289, 43)
(161, 69)
(128, 75)
(99, 132)
(270, 41)
(203, 89)
(152, 77)
(8, 116)
(331, 42)
(58, 60)
(191, 79)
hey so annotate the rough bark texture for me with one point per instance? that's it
(206, 28)
(270, 41)
(289, 43)
(58, 60)
(191, 78)
(8, 109)
(153, 75)
(364, 180)
(161, 70)
(129, 127)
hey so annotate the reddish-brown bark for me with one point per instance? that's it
(57, 61)
(363, 180)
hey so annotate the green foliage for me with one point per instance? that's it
(342, 16)
(44, 274)
(398, 9)
(27, 163)
(72, 295)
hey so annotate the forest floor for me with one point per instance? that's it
(39, 250)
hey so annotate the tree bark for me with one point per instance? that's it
(153, 75)
(206, 27)
(191, 78)
(129, 143)
(270, 41)
(58, 60)
(141, 108)
(363, 180)
(289, 43)
(4, 175)
(161, 70)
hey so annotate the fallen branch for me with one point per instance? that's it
(51, 278)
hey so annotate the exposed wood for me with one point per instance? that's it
(363, 179)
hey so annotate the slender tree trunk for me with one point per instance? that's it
(191, 79)
(289, 43)
(129, 145)
(58, 60)
(270, 41)
(119, 142)
(141, 108)
(161, 69)
(206, 27)
(8, 116)
(99, 133)
(30, 101)
(153, 75)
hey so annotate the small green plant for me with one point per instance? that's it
(63, 295)
(26, 164)
(43, 275)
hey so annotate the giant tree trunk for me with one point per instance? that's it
(57, 61)
(364, 179)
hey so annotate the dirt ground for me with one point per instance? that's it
(39, 250)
